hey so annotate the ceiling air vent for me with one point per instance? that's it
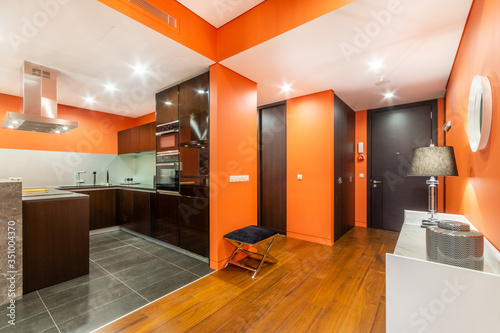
(156, 12)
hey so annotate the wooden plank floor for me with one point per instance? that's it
(312, 288)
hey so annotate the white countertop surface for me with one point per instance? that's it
(412, 242)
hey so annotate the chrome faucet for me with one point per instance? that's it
(78, 179)
(107, 177)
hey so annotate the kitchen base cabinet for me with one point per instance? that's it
(183, 221)
(55, 241)
(136, 210)
(194, 225)
(102, 207)
(166, 227)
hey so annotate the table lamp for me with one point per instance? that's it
(433, 161)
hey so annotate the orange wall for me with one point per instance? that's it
(310, 153)
(360, 217)
(476, 191)
(267, 20)
(192, 31)
(233, 151)
(97, 132)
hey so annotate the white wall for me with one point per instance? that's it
(48, 168)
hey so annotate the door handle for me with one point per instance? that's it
(376, 181)
(339, 180)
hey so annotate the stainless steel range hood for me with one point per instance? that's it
(39, 112)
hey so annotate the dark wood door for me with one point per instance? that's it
(343, 168)
(167, 105)
(393, 133)
(272, 167)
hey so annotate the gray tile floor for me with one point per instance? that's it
(126, 272)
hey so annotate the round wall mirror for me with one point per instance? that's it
(480, 112)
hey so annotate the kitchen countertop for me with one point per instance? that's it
(143, 187)
(53, 193)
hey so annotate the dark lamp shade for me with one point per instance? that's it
(433, 161)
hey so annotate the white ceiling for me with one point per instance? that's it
(91, 45)
(219, 12)
(417, 45)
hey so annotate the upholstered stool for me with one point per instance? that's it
(251, 235)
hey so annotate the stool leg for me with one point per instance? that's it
(232, 256)
(264, 257)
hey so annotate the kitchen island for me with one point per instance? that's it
(56, 238)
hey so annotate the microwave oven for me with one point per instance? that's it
(167, 141)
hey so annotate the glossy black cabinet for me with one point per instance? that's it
(194, 225)
(193, 95)
(167, 105)
(166, 227)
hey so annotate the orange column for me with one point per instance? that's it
(310, 153)
(360, 217)
(233, 151)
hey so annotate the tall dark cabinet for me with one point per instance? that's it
(344, 172)
(183, 220)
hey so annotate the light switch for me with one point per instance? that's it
(299, 177)
(239, 179)
(361, 175)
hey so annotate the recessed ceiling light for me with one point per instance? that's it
(15, 122)
(286, 88)
(57, 132)
(381, 81)
(110, 87)
(168, 103)
(376, 65)
(10, 126)
(89, 100)
(140, 69)
(65, 128)
(389, 95)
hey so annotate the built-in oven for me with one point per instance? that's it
(167, 137)
(168, 169)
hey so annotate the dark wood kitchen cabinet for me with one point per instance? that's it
(167, 105)
(137, 139)
(136, 210)
(102, 207)
(55, 241)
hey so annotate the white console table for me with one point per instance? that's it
(424, 296)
